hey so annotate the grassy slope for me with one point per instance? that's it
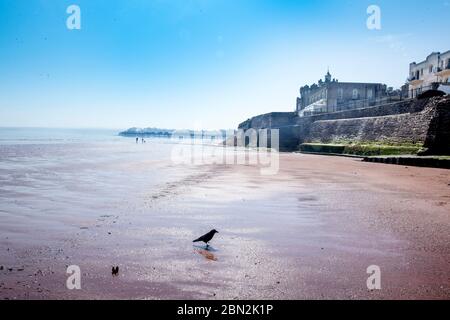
(362, 149)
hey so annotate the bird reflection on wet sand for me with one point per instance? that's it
(206, 252)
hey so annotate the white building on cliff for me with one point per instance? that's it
(429, 74)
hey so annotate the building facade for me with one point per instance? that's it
(331, 96)
(429, 74)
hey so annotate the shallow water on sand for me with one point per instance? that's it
(309, 231)
(66, 182)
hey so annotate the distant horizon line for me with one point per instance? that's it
(104, 128)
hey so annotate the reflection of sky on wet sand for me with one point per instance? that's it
(103, 205)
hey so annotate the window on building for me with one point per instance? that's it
(370, 94)
(421, 72)
(340, 94)
(431, 69)
(355, 94)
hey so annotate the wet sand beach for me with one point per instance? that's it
(308, 232)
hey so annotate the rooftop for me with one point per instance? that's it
(431, 54)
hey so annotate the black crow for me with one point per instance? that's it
(115, 271)
(207, 237)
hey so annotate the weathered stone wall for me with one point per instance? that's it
(270, 120)
(407, 106)
(399, 129)
(289, 138)
(438, 136)
(282, 119)
(424, 122)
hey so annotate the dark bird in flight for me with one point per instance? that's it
(207, 237)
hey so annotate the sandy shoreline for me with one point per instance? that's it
(309, 232)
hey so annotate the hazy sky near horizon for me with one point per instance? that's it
(197, 63)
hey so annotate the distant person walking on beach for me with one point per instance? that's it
(137, 139)
(143, 141)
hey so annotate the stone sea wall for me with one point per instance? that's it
(270, 120)
(438, 135)
(394, 129)
(424, 122)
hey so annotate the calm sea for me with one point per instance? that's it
(45, 135)
(52, 178)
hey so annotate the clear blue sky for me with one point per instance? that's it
(197, 63)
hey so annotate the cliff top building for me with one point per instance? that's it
(429, 74)
(330, 95)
